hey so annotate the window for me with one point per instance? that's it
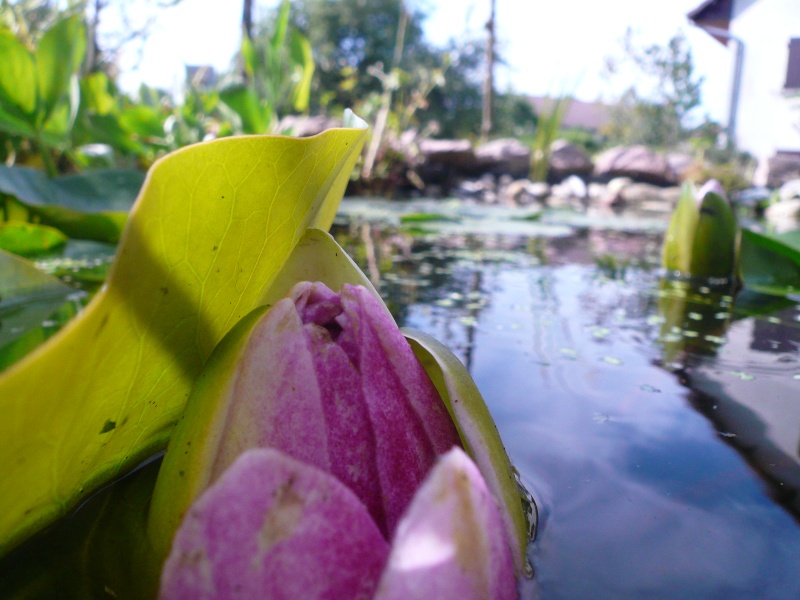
(793, 68)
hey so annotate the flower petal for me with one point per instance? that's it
(274, 527)
(452, 542)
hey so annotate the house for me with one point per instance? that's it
(764, 109)
(591, 116)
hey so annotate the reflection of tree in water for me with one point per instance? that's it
(445, 274)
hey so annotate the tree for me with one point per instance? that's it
(658, 116)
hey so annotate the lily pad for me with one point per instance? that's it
(769, 265)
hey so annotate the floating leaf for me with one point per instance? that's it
(28, 239)
(769, 265)
(27, 297)
(213, 225)
(91, 205)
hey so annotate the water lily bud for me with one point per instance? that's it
(274, 527)
(702, 240)
(452, 543)
(329, 380)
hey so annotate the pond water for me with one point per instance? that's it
(657, 428)
(658, 432)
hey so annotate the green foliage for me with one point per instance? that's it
(39, 88)
(657, 116)
(90, 206)
(278, 67)
(546, 133)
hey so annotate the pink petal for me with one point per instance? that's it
(451, 544)
(273, 527)
(409, 419)
(329, 380)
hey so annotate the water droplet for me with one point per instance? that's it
(569, 352)
(649, 388)
(715, 339)
(601, 418)
(726, 434)
(446, 302)
(468, 321)
(690, 334)
(612, 361)
(694, 316)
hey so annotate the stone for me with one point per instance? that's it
(572, 187)
(784, 215)
(637, 162)
(681, 163)
(505, 155)
(522, 192)
(456, 154)
(782, 167)
(568, 159)
(789, 190)
(638, 193)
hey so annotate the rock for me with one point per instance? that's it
(637, 162)
(538, 189)
(568, 159)
(638, 193)
(680, 163)
(572, 187)
(784, 215)
(522, 192)
(456, 154)
(782, 167)
(789, 190)
(507, 155)
(304, 126)
(671, 195)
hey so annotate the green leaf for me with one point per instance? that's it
(90, 205)
(143, 121)
(95, 94)
(212, 226)
(477, 431)
(678, 242)
(769, 265)
(28, 239)
(716, 240)
(18, 88)
(245, 103)
(27, 297)
(303, 58)
(58, 56)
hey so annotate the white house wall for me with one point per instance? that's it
(768, 116)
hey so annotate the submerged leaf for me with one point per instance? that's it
(212, 226)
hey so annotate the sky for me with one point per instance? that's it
(549, 46)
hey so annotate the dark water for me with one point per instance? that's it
(662, 450)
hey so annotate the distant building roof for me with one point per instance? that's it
(713, 13)
(201, 76)
(585, 115)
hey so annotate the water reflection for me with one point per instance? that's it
(651, 482)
